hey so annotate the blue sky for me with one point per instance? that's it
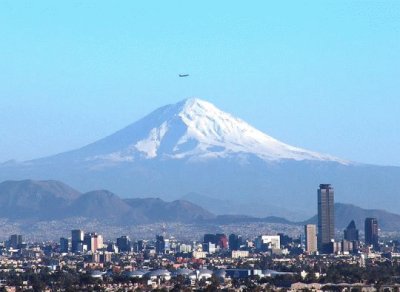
(322, 75)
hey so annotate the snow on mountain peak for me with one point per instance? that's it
(196, 129)
(193, 103)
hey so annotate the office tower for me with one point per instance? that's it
(234, 242)
(210, 238)
(310, 231)
(185, 248)
(209, 247)
(64, 245)
(87, 241)
(371, 232)
(285, 239)
(140, 245)
(221, 241)
(15, 241)
(326, 218)
(124, 244)
(93, 241)
(97, 242)
(167, 245)
(111, 247)
(351, 232)
(268, 242)
(160, 244)
(348, 246)
(105, 257)
(77, 240)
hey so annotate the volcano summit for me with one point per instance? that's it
(192, 129)
(194, 150)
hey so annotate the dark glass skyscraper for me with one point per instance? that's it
(160, 244)
(351, 232)
(15, 241)
(64, 245)
(124, 243)
(77, 240)
(210, 238)
(371, 232)
(234, 242)
(326, 218)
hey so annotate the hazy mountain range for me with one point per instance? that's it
(34, 201)
(192, 147)
(52, 200)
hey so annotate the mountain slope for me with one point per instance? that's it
(100, 204)
(193, 147)
(192, 128)
(33, 201)
(39, 199)
(344, 213)
(179, 210)
(51, 200)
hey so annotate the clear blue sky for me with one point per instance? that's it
(323, 75)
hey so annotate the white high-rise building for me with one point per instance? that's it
(272, 241)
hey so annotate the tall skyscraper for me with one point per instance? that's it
(124, 243)
(234, 242)
(221, 240)
(160, 244)
(141, 245)
(351, 232)
(64, 245)
(371, 232)
(326, 218)
(310, 231)
(15, 241)
(77, 240)
(93, 241)
(210, 238)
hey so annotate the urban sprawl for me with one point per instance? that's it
(218, 262)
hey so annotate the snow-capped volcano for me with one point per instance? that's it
(195, 129)
(193, 150)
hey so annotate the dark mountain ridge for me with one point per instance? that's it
(50, 200)
(35, 199)
(31, 200)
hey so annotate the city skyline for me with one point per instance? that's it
(199, 146)
(313, 260)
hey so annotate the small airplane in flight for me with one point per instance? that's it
(183, 75)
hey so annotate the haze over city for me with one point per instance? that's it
(199, 146)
